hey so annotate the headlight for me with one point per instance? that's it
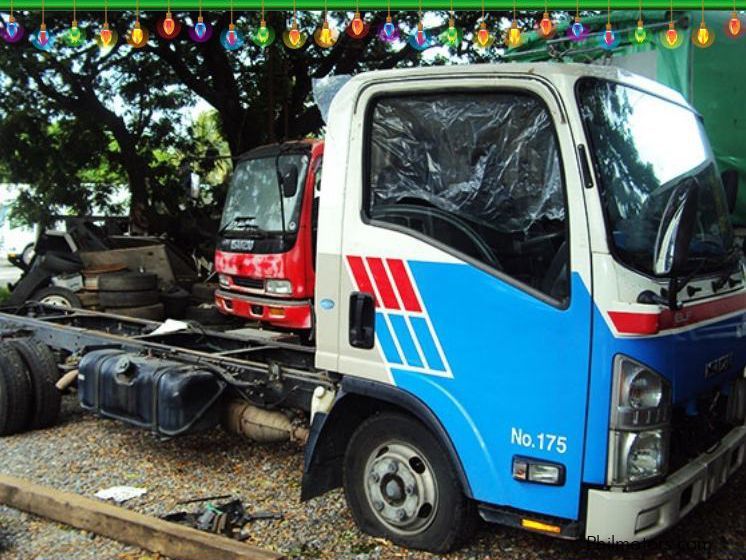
(644, 389)
(224, 280)
(640, 457)
(640, 419)
(279, 287)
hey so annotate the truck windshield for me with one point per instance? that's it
(644, 148)
(253, 201)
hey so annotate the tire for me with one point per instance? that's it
(149, 312)
(394, 453)
(204, 293)
(28, 254)
(128, 282)
(59, 262)
(204, 315)
(61, 297)
(41, 364)
(127, 299)
(175, 303)
(15, 392)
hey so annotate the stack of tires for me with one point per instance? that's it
(29, 399)
(132, 294)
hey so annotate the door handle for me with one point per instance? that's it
(362, 320)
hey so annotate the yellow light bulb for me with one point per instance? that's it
(703, 35)
(137, 34)
(514, 35)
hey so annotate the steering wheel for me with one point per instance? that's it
(425, 209)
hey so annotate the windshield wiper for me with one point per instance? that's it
(239, 221)
(731, 262)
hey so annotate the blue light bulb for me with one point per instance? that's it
(388, 28)
(200, 29)
(577, 29)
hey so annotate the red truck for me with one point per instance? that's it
(267, 240)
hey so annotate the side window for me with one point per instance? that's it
(480, 174)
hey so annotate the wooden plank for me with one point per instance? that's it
(149, 533)
(152, 258)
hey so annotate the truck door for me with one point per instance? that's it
(465, 271)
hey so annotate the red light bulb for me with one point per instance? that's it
(294, 35)
(105, 35)
(357, 24)
(169, 24)
(734, 25)
(546, 24)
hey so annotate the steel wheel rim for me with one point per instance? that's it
(401, 488)
(58, 301)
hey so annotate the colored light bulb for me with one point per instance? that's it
(200, 29)
(420, 35)
(703, 35)
(483, 35)
(105, 35)
(294, 35)
(546, 24)
(672, 36)
(388, 27)
(640, 33)
(734, 25)
(75, 32)
(326, 33)
(609, 37)
(169, 24)
(263, 33)
(137, 35)
(577, 28)
(12, 28)
(231, 36)
(358, 26)
(43, 37)
(514, 35)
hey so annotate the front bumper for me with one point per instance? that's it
(614, 517)
(286, 313)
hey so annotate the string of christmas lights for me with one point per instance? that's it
(326, 35)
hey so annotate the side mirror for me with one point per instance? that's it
(730, 184)
(290, 182)
(675, 231)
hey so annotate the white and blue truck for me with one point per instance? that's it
(529, 307)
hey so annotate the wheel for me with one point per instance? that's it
(61, 297)
(15, 392)
(128, 282)
(150, 312)
(128, 299)
(204, 293)
(43, 374)
(204, 315)
(28, 254)
(400, 484)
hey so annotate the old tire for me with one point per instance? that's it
(400, 484)
(42, 371)
(204, 293)
(15, 392)
(127, 299)
(204, 315)
(150, 312)
(61, 297)
(128, 282)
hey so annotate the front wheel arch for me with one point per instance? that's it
(358, 400)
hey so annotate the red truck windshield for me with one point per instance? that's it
(644, 148)
(253, 201)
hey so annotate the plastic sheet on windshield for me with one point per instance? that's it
(490, 157)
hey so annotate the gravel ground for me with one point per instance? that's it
(84, 454)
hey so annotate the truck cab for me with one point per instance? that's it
(528, 281)
(267, 240)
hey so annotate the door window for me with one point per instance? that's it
(478, 174)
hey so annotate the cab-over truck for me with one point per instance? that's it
(529, 307)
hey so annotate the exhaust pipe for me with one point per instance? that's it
(260, 425)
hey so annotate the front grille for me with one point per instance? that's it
(252, 283)
(694, 434)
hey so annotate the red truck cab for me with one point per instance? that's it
(267, 240)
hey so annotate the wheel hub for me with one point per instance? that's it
(401, 488)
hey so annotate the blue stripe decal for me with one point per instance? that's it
(401, 331)
(422, 332)
(386, 341)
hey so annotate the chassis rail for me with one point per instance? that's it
(264, 372)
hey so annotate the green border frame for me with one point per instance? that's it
(287, 5)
